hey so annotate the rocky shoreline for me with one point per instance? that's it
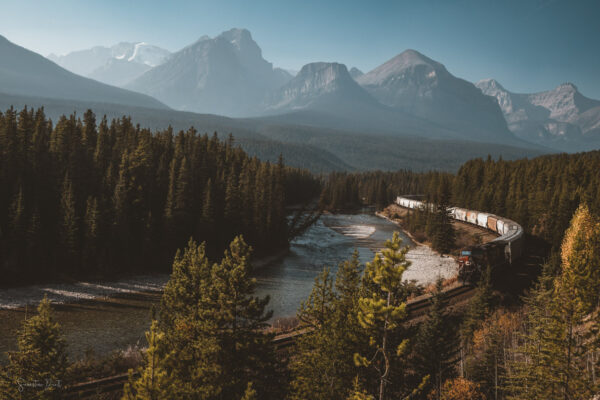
(61, 293)
(427, 265)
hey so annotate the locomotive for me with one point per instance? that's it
(473, 260)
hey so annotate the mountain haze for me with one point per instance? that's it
(23, 72)
(225, 75)
(355, 72)
(561, 118)
(418, 85)
(323, 86)
(116, 65)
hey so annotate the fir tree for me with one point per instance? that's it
(154, 382)
(69, 226)
(323, 367)
(358, 393)
(552, 361)
(382, 312)
(435, 342)
(479, 307)
(240, 318)
(41, 360)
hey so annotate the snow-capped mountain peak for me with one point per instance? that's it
(115, 65)
(225, 75)
(560, 117)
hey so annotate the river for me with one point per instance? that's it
(115, 315)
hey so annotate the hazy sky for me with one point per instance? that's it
(527, 45)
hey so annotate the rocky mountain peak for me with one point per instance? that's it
(489, 84)
(410, 64)
(355, 72)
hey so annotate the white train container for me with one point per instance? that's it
(482, 219)
(511, 233)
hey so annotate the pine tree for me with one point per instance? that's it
(382, 311)
(580, 254)
(92, 221)
(552, 361)
(41, 359)
(186, 287)
(17, 214)
(479, 307)
(313, 368)
(247, 352)
(435, 342)
(194, 364)
(489, 357)
(215, 326)
(154, 382)
(358, 393)
(323, 366)
(69, 223)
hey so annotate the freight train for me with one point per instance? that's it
(505, 249)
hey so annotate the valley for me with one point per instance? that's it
(299, 200)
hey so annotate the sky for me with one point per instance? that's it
(527, 45)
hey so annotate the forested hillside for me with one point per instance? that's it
(88, 198)
(541, 194)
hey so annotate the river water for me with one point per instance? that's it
(119, 315)
(328, 242)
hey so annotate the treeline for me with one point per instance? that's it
(550, 347)
(83, 197)
(352, 190)
(541, 194)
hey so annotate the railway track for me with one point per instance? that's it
(417, 308)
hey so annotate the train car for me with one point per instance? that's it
(460, 214)
(482, 219)
(503, 250)
(474, 260)
(492, 223)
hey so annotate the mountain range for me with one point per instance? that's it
(116, 65)
(562, 118)
(23, 72)
(225, 75)
(410, 94)
(410, 112)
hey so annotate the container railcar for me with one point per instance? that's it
(505, 249)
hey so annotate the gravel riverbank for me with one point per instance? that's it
(61, 293)
(427, 265)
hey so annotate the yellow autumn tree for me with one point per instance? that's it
(460, 389)
(580, 253)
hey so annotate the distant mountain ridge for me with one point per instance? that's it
(23, 72)
(423, 87)
(410, 95)
(318, 85)
(224, 75)
(115, 65)
(561, 117)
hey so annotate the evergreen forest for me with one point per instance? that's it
(82, 197)
(541, 194)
